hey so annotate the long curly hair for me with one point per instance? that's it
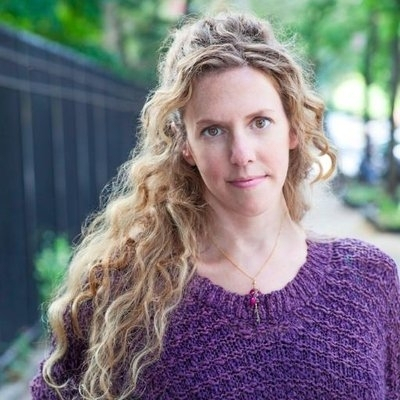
(137, 254)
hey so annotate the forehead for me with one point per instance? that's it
(233, 90)
(224, 73)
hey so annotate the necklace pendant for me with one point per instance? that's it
(254, 301)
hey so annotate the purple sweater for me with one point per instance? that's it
(331, 333)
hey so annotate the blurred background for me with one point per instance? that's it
(73, 78)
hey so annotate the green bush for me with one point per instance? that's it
(379, 207)
(388, 214)
(360, 195)
(51, 264)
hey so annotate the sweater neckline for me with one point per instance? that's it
(275, 305)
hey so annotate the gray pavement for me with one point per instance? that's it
(328, 216)
(19, 390)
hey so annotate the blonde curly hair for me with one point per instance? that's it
(137, 255)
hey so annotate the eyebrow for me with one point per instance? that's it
(210, 121)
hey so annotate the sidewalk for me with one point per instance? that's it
(330, 216)
(20, 390)
(327, 216)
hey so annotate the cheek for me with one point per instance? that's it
(277, 156)
(207, 160)
(209, 169)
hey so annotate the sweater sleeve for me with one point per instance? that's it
(68, 370)
(393, 334)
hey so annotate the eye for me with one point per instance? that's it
(261, 122)
(211, 131)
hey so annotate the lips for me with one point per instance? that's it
(247, 182)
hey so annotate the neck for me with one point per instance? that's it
(245, 232)
(248, 245)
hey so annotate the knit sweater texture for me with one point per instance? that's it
(333, 332)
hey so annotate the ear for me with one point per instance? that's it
(293, 139)
(187, 154)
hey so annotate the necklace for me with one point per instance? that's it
(254, 292)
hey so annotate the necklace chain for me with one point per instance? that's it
(236, 265)
(254, 292)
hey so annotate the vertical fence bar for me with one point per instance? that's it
(57, 128)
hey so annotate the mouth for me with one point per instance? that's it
(248, 182)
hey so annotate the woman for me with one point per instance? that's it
(197, 280)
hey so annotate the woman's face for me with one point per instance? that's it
(238, 137)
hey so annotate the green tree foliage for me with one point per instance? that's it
(327, 31)
(138, 28)
(75, 23)
(71, 22)
(123, 34)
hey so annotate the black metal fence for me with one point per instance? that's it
(65, 127)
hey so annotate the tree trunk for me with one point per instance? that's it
(394, 82)
(113, 29)
(370, 46)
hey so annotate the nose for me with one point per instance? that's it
(242, 150)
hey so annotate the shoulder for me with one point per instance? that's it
(361, 254)
(354, 260)
(360, 265)
(353, 252)
(362, 274)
